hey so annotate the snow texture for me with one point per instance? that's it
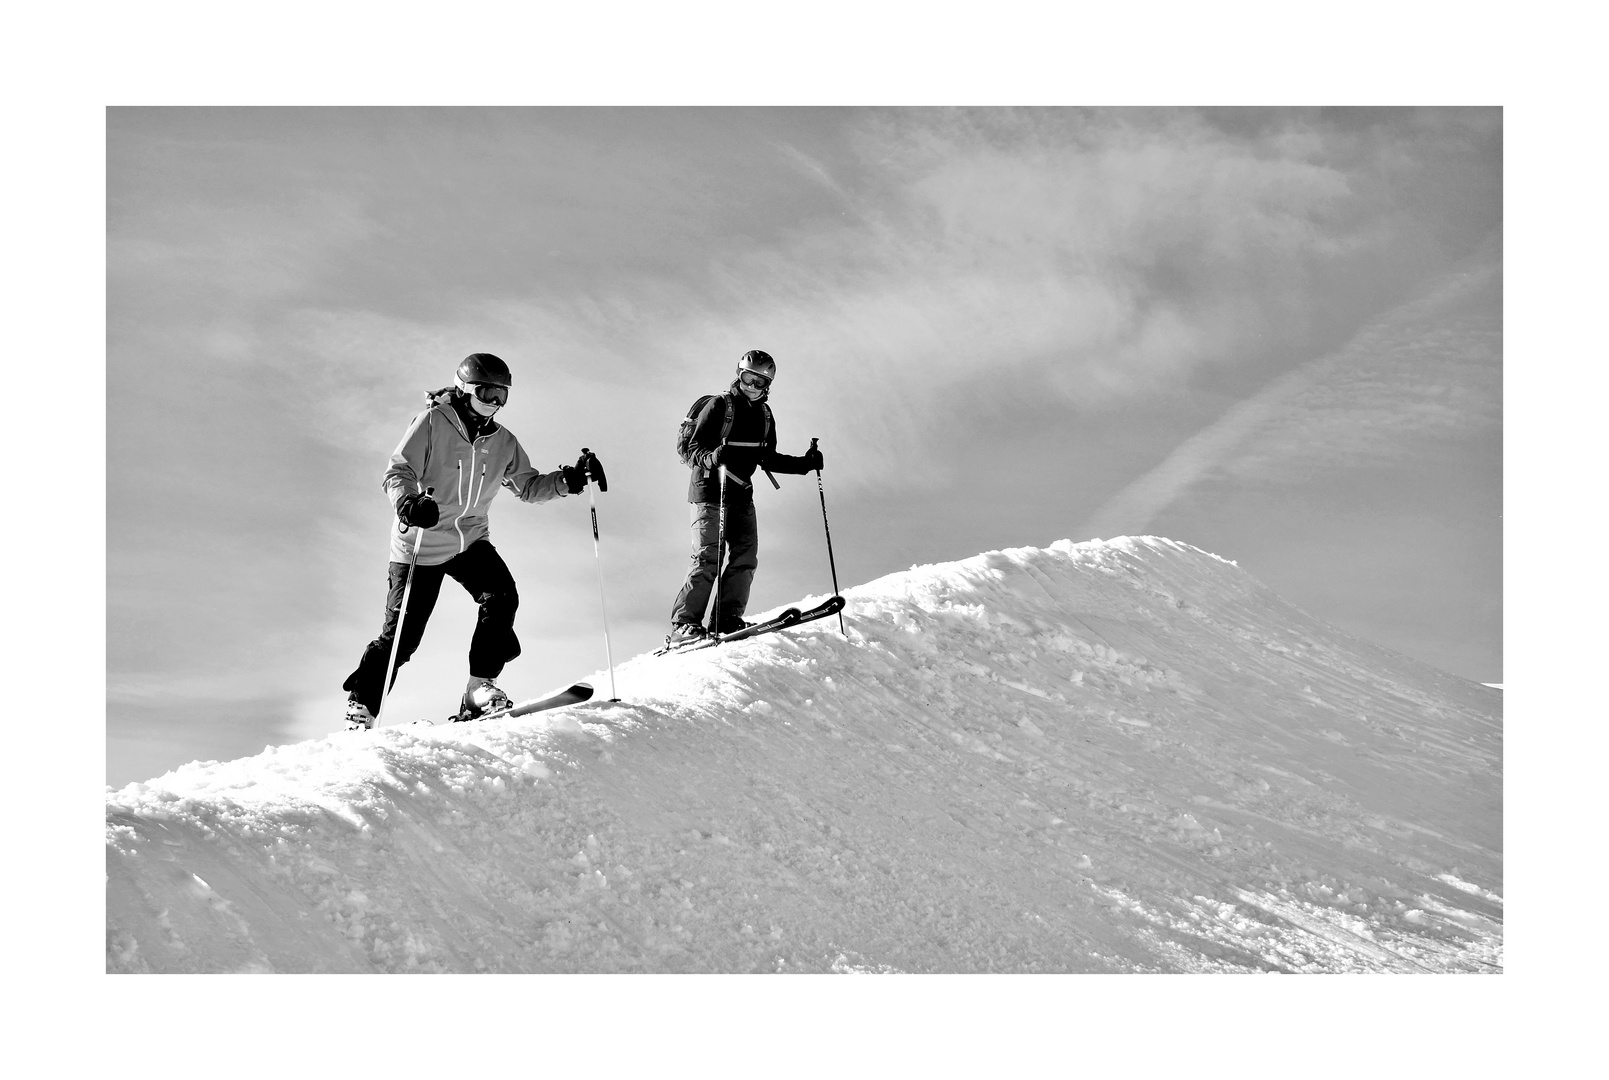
(1114, 756)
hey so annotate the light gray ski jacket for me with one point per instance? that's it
(437, 452)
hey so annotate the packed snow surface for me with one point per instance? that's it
(1115, 756)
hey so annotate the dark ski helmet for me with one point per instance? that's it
(483, 367)
(760, 363)
(484, 379)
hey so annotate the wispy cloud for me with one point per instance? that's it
(1092, 262)
(973, 255)
(1427, 368)
(972, 259)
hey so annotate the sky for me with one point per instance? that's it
(1275, 334)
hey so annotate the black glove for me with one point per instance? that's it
(716, 456)
(812, 459)
(418, 509)
(574, 479)
(588, 463)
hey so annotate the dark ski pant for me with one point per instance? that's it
(743, 558)
(484, 575)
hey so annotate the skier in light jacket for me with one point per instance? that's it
(441, 479)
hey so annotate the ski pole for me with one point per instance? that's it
(402, 613)
(822, 491)
(602, 485)
(720, 545)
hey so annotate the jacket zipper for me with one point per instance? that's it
(477, 488)
(458, 521)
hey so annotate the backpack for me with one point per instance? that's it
(684, 434)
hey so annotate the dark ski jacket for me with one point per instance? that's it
(466, 459)
(749, 447)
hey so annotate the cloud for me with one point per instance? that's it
(1097, 257)
(812, 169)
(1097, 262)
(1427, 369)
(1131, 510)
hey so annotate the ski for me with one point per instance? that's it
(570, 695)
(789, 618)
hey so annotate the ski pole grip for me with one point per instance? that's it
(600, 480)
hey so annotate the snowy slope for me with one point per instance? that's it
(1113, 756)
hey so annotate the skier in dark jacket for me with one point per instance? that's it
(734, 430)
(442, 478)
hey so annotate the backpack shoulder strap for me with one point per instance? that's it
(704, 399)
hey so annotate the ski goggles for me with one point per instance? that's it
(488, 394)
(752, 380)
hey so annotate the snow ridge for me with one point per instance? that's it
(1113, 756)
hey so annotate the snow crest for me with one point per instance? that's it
(1113, 756)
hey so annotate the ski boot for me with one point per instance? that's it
(481, 697)
(732, 624)
(358, 716)
(685, 634)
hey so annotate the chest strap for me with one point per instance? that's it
(726, 426)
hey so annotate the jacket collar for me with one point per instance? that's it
(442, 401)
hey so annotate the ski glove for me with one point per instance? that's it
(574, 479)
(418, 509)
(588, 463)
(715, 457)
(812, 460)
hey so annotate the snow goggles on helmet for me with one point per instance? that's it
(752, 380)
(488, 394)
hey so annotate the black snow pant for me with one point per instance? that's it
(484, 575)
(743, 558)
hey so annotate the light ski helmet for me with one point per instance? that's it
(485, 380)
(760, 363)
